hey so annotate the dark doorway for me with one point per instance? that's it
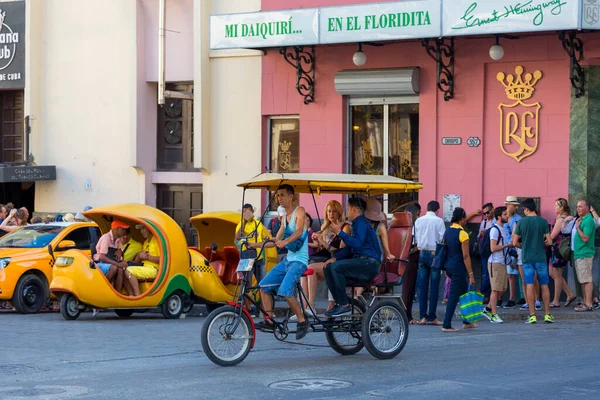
(21, 194)
(181, 202)
(11, 126)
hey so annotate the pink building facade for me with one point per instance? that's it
(477, 170)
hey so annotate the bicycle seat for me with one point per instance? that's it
(309, 271)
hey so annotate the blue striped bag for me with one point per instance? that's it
(471, 305)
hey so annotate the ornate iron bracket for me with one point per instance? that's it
(574, 48)
(303, 60)
(442, 53)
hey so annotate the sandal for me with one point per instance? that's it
(569, 301)
(552, 305)
(435, 322)
(449, 330)
(413, 322)
(583, 308)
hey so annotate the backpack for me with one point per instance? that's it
(484, 244)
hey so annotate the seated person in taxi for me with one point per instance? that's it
(106, 257)
(128, 247)
(146, 262)
(359, 260)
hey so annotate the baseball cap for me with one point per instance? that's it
(512, 200)
(118, 224)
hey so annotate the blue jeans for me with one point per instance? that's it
(284, 276)
(357, 269)
(486, 286)
(429, 286)
(458, 287)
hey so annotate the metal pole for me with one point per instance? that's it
(161, 51)
(27, 138)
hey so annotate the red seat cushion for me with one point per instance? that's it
(400, 239)
(219, 267)
(309, 271)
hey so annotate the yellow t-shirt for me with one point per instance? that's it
(151, 247)
(249, 228)
(132, 248)
(463, 236)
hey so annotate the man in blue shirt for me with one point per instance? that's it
(360, 259)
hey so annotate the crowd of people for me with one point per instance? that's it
(352, 247)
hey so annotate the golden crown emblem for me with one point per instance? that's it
(285, 145)
(516, 87)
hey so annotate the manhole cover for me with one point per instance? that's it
(311, 384)
(45, 392)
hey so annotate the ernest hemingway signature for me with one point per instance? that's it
(519, 8)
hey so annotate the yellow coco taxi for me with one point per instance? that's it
(215, 284)
(80, 283)
(27, 258)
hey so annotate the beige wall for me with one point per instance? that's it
(81, 95)
(232, 108)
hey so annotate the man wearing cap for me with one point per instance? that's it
(254, 231)
(105, 254)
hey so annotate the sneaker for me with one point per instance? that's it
(487, 314)
(309, 313)
(301, 330)
(596, 305)
(531, 320)
(522, 301)
(332, 311)
(499, 304)
(264, 326)
(548, 319)
(509, 304)
(341, 310)
(524, 307)
(538, 305)
(496, 319)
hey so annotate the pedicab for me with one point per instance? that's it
(381, 325)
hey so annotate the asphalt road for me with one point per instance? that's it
(147, 357)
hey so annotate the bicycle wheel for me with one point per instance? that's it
(226, 337)
(385, 329)
(347, 343)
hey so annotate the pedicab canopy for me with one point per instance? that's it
(370, 185)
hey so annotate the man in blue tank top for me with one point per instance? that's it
(284, 277)
(360, 259)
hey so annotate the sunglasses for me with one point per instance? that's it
(487, 212)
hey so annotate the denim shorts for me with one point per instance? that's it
(284, 276)
(529, 270)
(104, 267)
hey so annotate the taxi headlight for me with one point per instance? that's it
(63, 261)
(4, 262)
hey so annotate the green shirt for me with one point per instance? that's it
(582, 249)
(532, 231)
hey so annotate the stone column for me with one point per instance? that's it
(584, 153)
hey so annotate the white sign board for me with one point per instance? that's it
(380, 21)
(264, 29)
(469, 17)
(590, 14)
